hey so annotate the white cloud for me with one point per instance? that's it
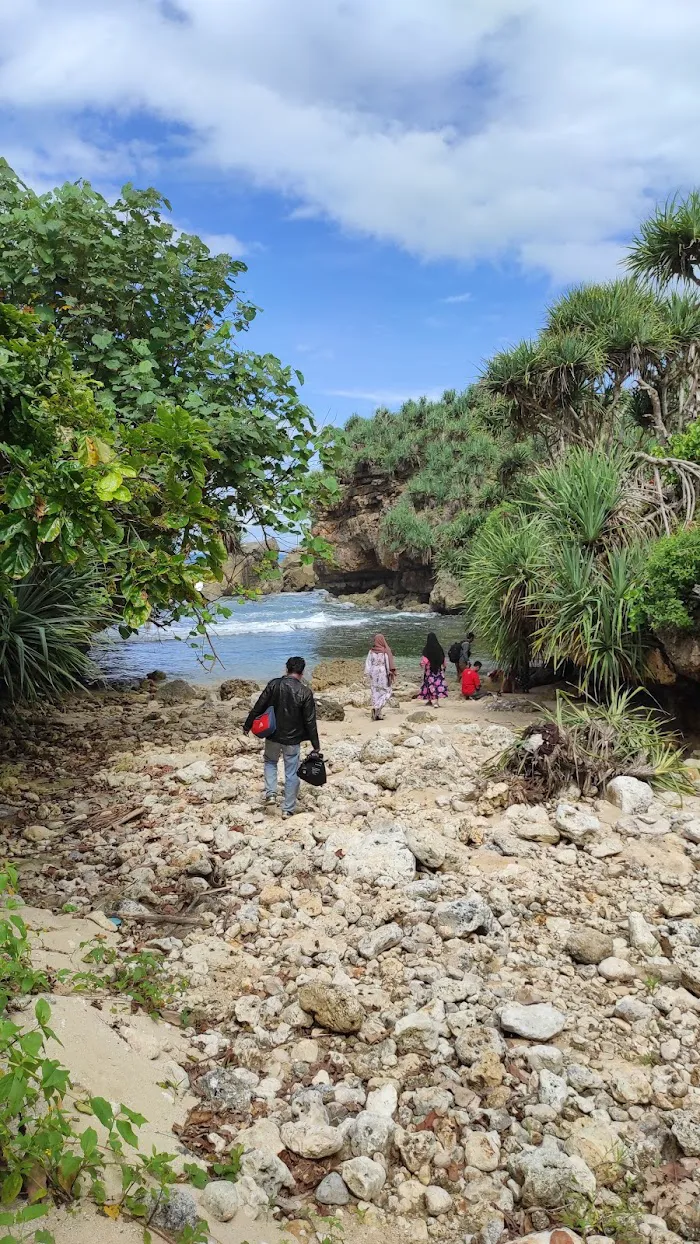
(456, 298)
(225, 243)
(460, 129)
(383, 397)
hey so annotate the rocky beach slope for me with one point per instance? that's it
(423, 1012)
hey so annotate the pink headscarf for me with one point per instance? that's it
(380, 645)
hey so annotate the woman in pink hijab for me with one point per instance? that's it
(380, 668)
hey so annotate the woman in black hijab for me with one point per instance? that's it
(434, 687)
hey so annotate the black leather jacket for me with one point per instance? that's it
(295, 710)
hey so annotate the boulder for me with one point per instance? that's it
(462, 916)
(416, 1033)
(198, 771)
(437, 1200)
(629, 795)
(614, 969)
(379, 857)
(447, 595)
(231, 1087)
(482, 1150)
(383, 1100)
(267, 1171)
(238, 689)
(417, 1149)
(576, 825)
(629, 1085)
(551, 1177)
(332, 1191)
(177, 691)
(633, 1010)
(380, 940)
(686, 1130)
(335, 1007)
(177, 1213)
(596, 1143)
(297, 576)
(539, 1021)
(364, 1177)
(222, 1199)
(429, 848)
(377, 751)
(329, 709)
(683, 651)
(473, 1043)
(553, 1091)
(312, 1136)
(588, 945)
(642, 935)
(371, 1133)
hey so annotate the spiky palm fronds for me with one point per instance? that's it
(682, 314)
(667, 246)
(583, 496)
(508, 560)
(46, 628)
(587, 617)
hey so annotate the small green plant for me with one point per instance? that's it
(140, 976)
(650, 1060)
(651, 983)
(44, 1158)
(620, 1222)
(229, 1169)
(329, 1229)
(17, 976)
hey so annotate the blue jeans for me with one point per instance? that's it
(290, 753)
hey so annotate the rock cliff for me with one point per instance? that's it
(361, 560)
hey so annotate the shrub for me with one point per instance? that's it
(403, 530)
(669, 593)
(588, 744)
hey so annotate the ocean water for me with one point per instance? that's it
(255, 641)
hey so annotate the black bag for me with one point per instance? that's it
(454, 652)
(313, 769)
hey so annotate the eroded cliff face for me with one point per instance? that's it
(361, 562)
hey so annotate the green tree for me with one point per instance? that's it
(610, 357)
(82, 489)
(163, 437)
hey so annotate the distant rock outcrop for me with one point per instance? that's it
(361, 562)
(248, 566)
(297, 576)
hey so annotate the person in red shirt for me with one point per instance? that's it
(471, 682)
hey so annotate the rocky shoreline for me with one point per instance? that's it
(421, 1010)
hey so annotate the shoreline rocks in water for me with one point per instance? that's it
(456, 1014)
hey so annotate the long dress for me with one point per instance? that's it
(434, 686)
(377, 670)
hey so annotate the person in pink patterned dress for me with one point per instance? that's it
(434, 686)
(380, 668)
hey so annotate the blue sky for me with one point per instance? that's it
(409, 182)
(365, 322)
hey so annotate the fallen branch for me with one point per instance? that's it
(156, 918)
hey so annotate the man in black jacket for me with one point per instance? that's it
(295, 711)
